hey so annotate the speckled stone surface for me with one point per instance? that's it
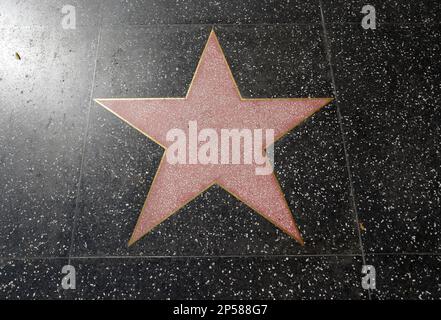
(388, 86)
(391, 11)
(31, 279)
(415, 277)
(45, 98)
(362, 175)
(48, 12)
(219, 278)
(138, 12)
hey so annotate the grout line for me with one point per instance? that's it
(271, 256)
(83, 152)
(404, 254)
(160, 25)
(233, 256)
(111, 25)
(342, 133)
(389, 23)
(274, 256)
(125, 24)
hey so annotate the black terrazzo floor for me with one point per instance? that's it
(362, 175)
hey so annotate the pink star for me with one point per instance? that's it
(214, 101)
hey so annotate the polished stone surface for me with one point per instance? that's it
(391, 11)
(220, 278)
(163, 12)
(410, 276)
(362, 175)
(389, 94)
(31, 279)
(45, 98)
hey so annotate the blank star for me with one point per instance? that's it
(214, 101)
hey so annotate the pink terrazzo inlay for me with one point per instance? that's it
(214, 101)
